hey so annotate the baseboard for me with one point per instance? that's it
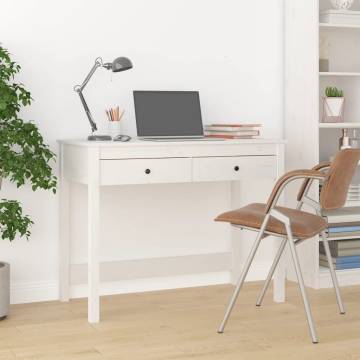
(34, 291)
(119, 277)
(196, 273)
(49, 291)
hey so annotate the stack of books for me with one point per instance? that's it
(344, 233)
(232, 131)
(353, 196)
(345, 254)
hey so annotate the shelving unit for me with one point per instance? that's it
(340, 43)
(309, 140)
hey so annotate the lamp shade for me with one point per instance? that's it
(120, 64)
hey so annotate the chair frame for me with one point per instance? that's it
(317, 173)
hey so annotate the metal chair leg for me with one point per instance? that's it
(271, 272)
(243, 274)
(333, 273)
(301, 284)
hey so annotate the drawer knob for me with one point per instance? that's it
(236, 168)
(147, 171)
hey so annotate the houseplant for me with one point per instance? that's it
(333, 105)
(24, 157)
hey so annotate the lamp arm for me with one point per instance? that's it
(98, 63)
(87, 111)
(80, 88)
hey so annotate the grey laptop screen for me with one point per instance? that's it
(168, 113)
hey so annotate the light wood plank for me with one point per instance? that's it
(181, 324)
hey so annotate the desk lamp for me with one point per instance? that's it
(119, 64)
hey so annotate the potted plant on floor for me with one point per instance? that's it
(333, 105)
(24, 158)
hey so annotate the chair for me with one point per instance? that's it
(295, 225)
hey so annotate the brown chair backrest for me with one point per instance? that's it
(336, 184)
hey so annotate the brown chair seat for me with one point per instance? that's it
(303, 224)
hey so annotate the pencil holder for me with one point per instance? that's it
(114, 128)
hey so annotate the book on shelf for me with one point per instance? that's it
(343, 229)
(341, 260)
(346, 266)
(348, 234)
(343, 215)
(342, 248)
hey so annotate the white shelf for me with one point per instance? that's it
(346, 277)
(340, 73)
(324, 269)
(328, 26)
(344, 125)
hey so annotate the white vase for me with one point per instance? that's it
(333, 109)
(342, 4)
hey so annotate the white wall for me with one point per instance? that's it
(230, 50)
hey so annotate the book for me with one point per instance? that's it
(344, 244)
(353, 234)
(342, 259)
(346, 214)
(237, 125)
(353, 223)
(341, 266)
(233, 133)
(229, 136)
(229, 129)
(337, 251)
(343, 229)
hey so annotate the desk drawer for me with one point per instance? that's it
(233, 168)
(145, 171)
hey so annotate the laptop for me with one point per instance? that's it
(168, 115)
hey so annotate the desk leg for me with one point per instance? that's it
(64, 237)
(93, 252)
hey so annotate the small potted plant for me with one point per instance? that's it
(333, 105)
(24, 158)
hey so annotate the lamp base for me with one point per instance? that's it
(99, 138)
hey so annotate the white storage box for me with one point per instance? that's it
(348, 17)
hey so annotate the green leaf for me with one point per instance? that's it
(24, 157)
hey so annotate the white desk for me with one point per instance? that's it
(97, 164)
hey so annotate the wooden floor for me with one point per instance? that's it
(181, 324)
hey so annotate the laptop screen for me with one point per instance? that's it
(168, 113)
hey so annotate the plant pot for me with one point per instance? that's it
(333, 109)
(4, 290)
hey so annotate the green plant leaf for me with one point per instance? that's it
(24, 156)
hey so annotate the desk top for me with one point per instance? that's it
(139, 143)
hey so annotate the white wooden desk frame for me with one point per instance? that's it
(97, 164)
